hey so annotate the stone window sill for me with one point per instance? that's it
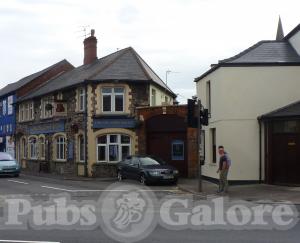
(59, 161)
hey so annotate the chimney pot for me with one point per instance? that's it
(92, 32)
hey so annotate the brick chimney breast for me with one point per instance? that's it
(90, 48)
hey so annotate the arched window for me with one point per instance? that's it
(60, 147)
(113, 147)
(81, 148)
(32, 148)
(42, 147)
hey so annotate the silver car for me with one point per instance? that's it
(9, 165)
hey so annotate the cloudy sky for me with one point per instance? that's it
(184, 36)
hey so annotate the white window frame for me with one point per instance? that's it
(47, 113)
(60, 155)
(21, 112)
(4, 107)
(31, 111)
(10, 101)
(153, 97)
(113, 95)
(108, 143)
(81, 99)
(33, 153)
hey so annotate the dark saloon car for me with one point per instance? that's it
(146, 169)
(8, 165)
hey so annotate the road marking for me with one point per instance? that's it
(22, 241)
(20, 182)
(56, 188)
(104, 190)
(149, 190)
(68, 190)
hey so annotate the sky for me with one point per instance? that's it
(183, 36)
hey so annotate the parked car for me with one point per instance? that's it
(147, 169)
(8, 165)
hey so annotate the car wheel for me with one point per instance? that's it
(120, 176)
(16, 175)
(143, 179)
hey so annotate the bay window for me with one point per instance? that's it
(113, 99)
(113, 147)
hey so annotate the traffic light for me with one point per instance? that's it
(204, 117)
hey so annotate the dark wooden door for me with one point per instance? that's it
(160, 145)
(286, 159)
(164, 133)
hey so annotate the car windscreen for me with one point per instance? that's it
(149, 161)
(5, 157)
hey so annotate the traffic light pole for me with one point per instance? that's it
(199, 127)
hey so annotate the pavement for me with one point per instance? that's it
(254, 192)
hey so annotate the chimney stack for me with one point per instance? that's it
(90, 48)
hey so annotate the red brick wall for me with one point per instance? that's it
(146, 113)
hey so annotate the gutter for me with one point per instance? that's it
(260, 152)
(85, 132)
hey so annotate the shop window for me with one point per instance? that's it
(178, 150)
(113, 147)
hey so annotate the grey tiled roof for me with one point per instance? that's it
(16, 85)
(266, 52)
(269, 52)
(124, 64)
(291, 110)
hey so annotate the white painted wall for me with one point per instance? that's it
(238, 96)
(160, 96)
(295, 42)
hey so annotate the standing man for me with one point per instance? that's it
(224, 165)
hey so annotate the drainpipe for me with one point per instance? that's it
(260, 153)
(85, 132)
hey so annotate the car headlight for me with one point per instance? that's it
(175, 172)
(154, 173)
